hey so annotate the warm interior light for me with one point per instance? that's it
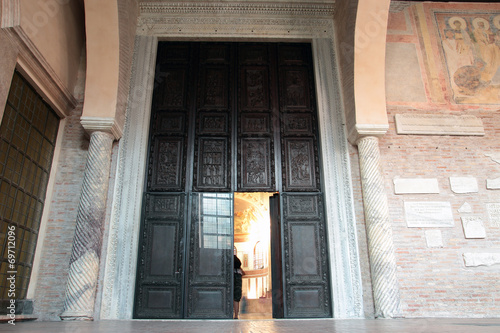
(252, 236)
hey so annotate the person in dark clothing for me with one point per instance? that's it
(238, 274)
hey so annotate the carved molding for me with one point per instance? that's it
(121, 259)
(217, 20)
(102, 124)
(337, 186)
(361, 130)
(237, 8)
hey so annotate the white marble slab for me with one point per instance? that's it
(465, 208)
(428, 214)
(493, 210)
(473, 227)
(493, 184)
(415, 185)
(472, 259)
(434, 238)
(464, 184)
(427, 124)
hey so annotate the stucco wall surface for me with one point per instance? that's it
(56, 28)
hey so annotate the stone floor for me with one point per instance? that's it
(267, 326)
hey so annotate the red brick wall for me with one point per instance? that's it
(435, 281)
(60, 230)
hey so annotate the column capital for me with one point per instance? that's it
(102, 124)
(361, 131)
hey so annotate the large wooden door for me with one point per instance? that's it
(230, 117)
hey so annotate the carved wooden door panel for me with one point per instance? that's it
(230, 117)
(160, 267)
(257, 117)
(306, 269)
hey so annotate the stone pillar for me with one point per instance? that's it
(84, 263)
(379, 233)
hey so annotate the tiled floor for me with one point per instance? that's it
(255, 326)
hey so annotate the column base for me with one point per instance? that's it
(77, 315)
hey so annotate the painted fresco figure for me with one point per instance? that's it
(461, 36)
(487, 50)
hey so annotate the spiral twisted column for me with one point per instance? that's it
(379, 233)
(84, 262)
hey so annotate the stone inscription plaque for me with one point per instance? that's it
(427, 124)
(494, 213)
(464, 184)
(428, 214)
(493, 184)
(473, 227)
(434, 238)
(481, 259)
(415, 185)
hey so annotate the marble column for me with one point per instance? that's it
(84, 263)
(379, 233)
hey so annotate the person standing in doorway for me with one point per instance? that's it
(238, 275)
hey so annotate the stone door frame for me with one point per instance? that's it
(231, 22)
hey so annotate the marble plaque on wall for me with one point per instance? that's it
(464, 184)
(428, 214)
(473, 227)
(427, 124)
(465, 208)
(434, 238)
(415, 185)
(481, 259)
(494, 213)
(493, 184)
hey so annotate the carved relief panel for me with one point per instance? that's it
(171, 88)
(299, 140)
(168, 164)
(214, 88)
(213, 115)
(300, 164)
(255, 89)
(256, 162)
(255, 117)
(213, 164)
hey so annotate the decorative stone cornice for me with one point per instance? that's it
(102, 124)
(216, 20)
(238, 8)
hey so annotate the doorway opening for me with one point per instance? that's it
(252, 245)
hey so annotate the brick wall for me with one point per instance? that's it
(434, 281)
(60, 230)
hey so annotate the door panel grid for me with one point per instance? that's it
(237, 117)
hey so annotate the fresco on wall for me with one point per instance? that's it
(471, 47)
